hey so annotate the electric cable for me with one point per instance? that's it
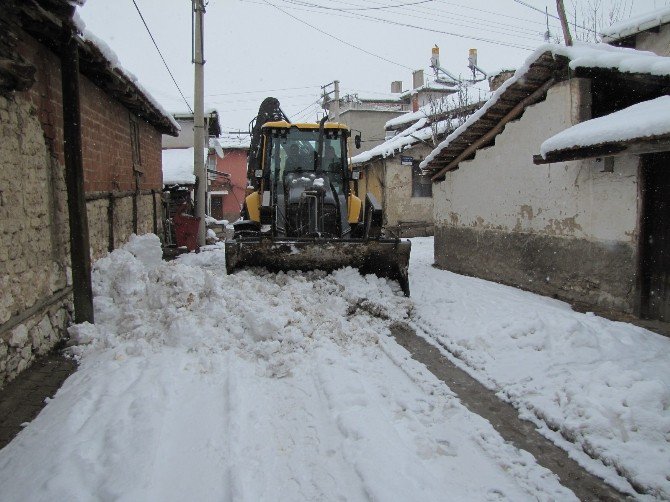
(406, 25)
(161, 55)
(336, 38)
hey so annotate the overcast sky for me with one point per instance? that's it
(259, 48)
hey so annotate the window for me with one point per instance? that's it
(422, 186)
(135, 143)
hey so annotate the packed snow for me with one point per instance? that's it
(197, 385)
(581, 55)
(636, 24)
(593, 386)
(194, 385)
(643, 120)
(178, 166)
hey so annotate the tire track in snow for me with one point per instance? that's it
(483, 401)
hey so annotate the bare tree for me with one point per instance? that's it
(454, 108)
(589, 18)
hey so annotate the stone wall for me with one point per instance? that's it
(34, 264)
(566, 229)
(122, 214)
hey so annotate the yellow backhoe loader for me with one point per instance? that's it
(302, 212)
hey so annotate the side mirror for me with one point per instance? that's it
(357, 140)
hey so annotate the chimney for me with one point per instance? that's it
(417, 79)
(396, 87)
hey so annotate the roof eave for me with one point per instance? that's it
(634, 146)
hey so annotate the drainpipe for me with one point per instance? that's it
(74, 179)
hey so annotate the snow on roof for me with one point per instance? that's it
(643, 120)
(114, 63)
(232, 141)
(636, 25)
(581, 56)
(474, 95)
(430, 86)
(178, 166)
(381, 97)
(418, 132)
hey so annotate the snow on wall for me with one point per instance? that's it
(580, 56)
(649, 118)
(636, 24)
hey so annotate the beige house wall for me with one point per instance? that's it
(656, 42)
(406, 216)
(370, 123)
(566, 229)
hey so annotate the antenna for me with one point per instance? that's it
(472, 64)
(437, 69)
(547, 34)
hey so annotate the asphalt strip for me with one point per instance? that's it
(505, 419)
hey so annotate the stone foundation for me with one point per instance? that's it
(572, 269)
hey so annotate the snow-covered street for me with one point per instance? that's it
(195, 385)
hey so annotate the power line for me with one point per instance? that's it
(407, 25)
(546, 13)
(376, 8)
(336, 38)
(412, 13)
(161, 55)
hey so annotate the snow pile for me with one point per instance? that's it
(178, 166)
(643, 120)
(602, 385)
(194, 385)
(636, 24)
(581, 56)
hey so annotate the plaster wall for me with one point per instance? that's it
(406, 215)
(370, 123)
(566, 229)
(658, 43)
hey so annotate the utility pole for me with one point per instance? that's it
(564, 22)
(74, 180)
(199, 118)
(336, 107)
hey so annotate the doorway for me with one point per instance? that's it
(216, 206)
(655, 238)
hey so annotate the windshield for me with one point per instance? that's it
(295, 151)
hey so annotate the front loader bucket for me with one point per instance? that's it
(385, 258)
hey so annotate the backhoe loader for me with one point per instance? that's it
(302, 212)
